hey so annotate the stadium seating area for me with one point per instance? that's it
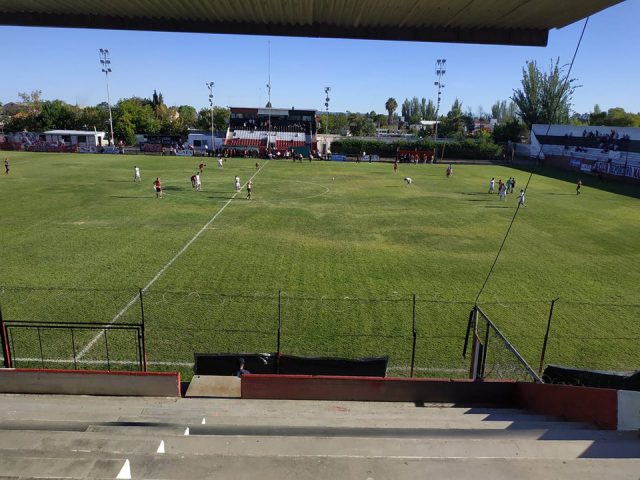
(609, 150)
(284, 140)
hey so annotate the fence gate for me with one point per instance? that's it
(73, 345)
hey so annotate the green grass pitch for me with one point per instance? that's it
(347, 244)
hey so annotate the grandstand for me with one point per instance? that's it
(604, 150)
(272, 130)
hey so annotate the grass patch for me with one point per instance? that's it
(347, 244)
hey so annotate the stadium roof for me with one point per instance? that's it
(509, 22)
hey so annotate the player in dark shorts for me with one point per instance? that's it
(158, 187)
(578, 185)
(6, 166)
(249, 188)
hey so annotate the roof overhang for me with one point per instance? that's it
(508, 22)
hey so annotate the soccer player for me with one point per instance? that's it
(395, 166)
(220, 162)
(198, 184)
(579, 184)
(201, 167)
(6, 166)
(136, 174)
(158, 187)
(237, 183)
(449, 171)
(513, 184)
(249, 187)
(521, 198)
(193, 181)
(408, 180)
(257, 165)
(502, 191)
(492, 185)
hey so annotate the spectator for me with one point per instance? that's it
(241, 370)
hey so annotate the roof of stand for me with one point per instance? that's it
(507, 22)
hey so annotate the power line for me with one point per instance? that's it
(515, 214)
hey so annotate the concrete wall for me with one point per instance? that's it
(306, 387)
(580, 404)
(73, 382)
(628, 410)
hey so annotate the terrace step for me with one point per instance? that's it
(62, 444)
(277, 467)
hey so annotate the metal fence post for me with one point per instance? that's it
(546, 335)
(485, 348)
(413, 349)
(4, 342)
(475, 349)
(41, 354)
(144, 343)
(73, 346)
(106, 345)
(279, 318)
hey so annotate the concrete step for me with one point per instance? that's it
(25, 443)
(302, 468)
(38, 466)
(357, 423)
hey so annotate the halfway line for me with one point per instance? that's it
(93, 341)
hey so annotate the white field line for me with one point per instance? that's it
(190, 364)
(135, 298)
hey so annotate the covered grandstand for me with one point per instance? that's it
(605, 150)
(272, 130)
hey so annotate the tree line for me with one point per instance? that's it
(130, 116)
(544, 96)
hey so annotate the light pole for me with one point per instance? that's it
(326, 120)
(440, 71)
(210, 86)
(105, 62)
(269, 95)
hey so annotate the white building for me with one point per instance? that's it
(199, 138)
(85, 140)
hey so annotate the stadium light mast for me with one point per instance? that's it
(210, 86)
(441, 64)
(326, 118)
(105, 62)
(269, 96)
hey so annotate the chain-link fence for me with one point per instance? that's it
(419, 335)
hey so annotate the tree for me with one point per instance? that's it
(57, 114)
(406, 110)
(429, 111)
(503, 111)
(220, 118)
(545, 97)
(510, 130)
(391, 105)
(188, 117)
(134, 115)
(94, 117)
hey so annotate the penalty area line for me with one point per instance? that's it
(124, 310)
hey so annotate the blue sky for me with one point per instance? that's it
(63, 63)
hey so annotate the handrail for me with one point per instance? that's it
(513, 350)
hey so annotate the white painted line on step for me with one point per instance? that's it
(125, 471)
(160, 447)
(93, 341)
(186, 431)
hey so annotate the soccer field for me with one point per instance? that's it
(346, 244)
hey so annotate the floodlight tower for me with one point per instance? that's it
(210, 86)
(326, 118)
(441, 69)
(105, 62)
